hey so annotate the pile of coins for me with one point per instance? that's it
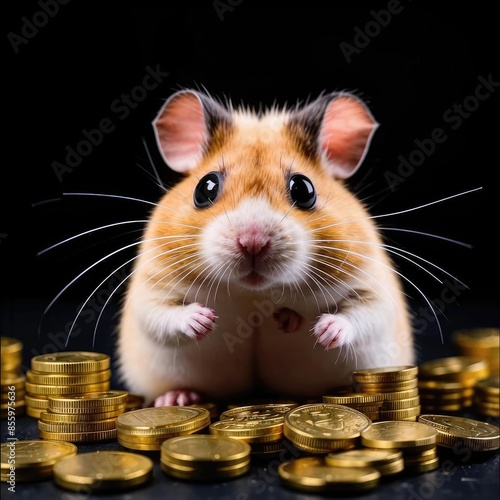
(65, 374)
(321, 428)
(313, 474)
(261, 426)
(487, 397)
(103, 471)
(447, 384)
(387, 462)
(147, 428)
(87, 418)
(12, 388)
(389, 393)
(205, 457)
(32, 460)
(482, 343)
(416, 440)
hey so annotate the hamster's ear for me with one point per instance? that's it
(339, 127)
(184, 126)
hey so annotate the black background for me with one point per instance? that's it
(65, 78)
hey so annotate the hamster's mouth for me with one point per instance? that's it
(254, 278)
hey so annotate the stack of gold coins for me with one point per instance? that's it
(416, 440)
(86, 418)
(447, 384)
(487, 397)
(482, 343)
(146, 429)
(200, 457)
(12, 393)
(103, 471)
(368, 404)
(387, 462)
(261, 426)
(313, 474)
(463, 433)
(32, 460)
(322, 428)
(398, 386)
(65, 374)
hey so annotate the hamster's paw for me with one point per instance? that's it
(197, 321)
(178, 398)
(288, 320)
(333, 330)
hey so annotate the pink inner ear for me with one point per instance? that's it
(181, 131)
(345, 134)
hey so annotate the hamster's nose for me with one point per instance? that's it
(253, 244)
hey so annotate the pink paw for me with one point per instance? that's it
(332, 331)
(288, 320)
(178, 398)
(198, 321)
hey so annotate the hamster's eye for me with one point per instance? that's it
(302, 191)
(207, 189)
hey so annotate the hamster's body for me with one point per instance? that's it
(275, 275)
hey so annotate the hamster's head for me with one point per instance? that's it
(262, 203)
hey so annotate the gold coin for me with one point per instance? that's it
(400, 404)
(71, 362)
(312, 474)
(49, 416)
(65, 390)
(363, 457)
(267, 450)
(212, 408)
(250, 431)
(259, 401)
(268, 412)
(103, 471)
(324, 427)
(399, 414)
(377, 387)
(79, 437)
(397, 395)
(138, 446)
(426, 466)
(10, 346)
(67, 379)
(156, 439)
(353, 398)
(78, 403)
(456, 369)
(33, 454)
(453, 430)
(199, 474)
(163, 420)
(17, 379)
(477, 337)
(34, 412)
(489, 386)
(399, 434)
(385, 374)
(93, 426)
(36, 402)
(205, 451)
(421, 456)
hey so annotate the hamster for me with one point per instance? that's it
(259, 268)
